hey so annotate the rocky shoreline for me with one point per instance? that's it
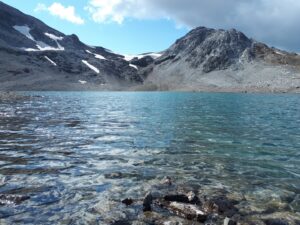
(168, 203)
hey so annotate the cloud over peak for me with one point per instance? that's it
(64, 13)
(266, 20)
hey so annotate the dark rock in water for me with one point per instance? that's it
(147, 202)
(127, 201)
(12, 199)
(225, 206)
(121, 222)
(275, 222)
(189, 198)
(177, 198)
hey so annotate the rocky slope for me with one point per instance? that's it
(33, 56)
(222, 60)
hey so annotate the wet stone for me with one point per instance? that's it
(167, 180)
(190, 198)
(188, 211)
(121, 222)
(127, 201)
(12, 199)
(193, 198)
(147, 202)
(225, 206)
(275, 222)
(228, 221)
(177, 198)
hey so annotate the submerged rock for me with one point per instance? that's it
(275, 222)
(224, 206)
(121, 222)
(12, 199)
(116, 175)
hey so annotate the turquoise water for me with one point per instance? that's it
(58, 149)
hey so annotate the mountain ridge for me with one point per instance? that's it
(35, 56)
(223, 60)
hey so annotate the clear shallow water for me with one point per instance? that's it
(57, 149)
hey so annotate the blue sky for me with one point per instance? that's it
(133, 36)
(139, 26)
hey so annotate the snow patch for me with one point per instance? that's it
(54, 37)
(133, 66)
(82, 81)
(279, 53)
(152, 55)
(30, 49)
(97, 56)
(41, 46)
(90, 66)
(129, 57)
(25, 30)
(51, 61)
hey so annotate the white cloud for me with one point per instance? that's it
(271, 21)
(65, 13)
(103, 11)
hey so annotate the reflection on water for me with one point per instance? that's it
(74, 153)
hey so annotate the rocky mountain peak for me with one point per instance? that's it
(211, 49)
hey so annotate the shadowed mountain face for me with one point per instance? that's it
(34, 56)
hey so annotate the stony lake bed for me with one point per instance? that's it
(149, 158)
